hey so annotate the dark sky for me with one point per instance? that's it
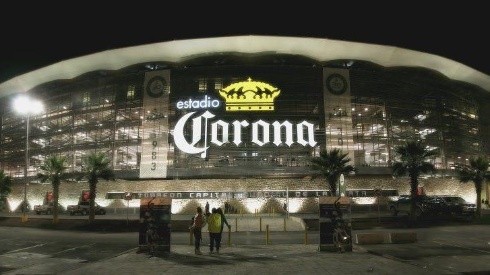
(32, 39)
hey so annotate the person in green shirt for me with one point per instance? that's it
(214, 228)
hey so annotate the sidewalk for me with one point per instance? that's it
(250, 259)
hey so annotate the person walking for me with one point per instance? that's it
(214, 228)
(223, 220)
(196, 227)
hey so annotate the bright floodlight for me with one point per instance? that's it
(25, 105)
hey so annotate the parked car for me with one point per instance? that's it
(457, 207)
(83, 208)
(47, 209)
(424, 205)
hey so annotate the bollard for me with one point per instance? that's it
(236, 224)
(191, 237)
(260, 224)
(285, 225)
(306, 235)
(267, 234)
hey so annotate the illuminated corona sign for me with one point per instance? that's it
(305, 133)
(242, 96)
(249, 96)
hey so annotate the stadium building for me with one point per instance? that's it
(242, 115)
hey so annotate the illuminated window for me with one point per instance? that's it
(86, 98)
(130, 93)
(203, 84)
(218, 84)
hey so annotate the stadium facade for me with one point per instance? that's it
(237, 108)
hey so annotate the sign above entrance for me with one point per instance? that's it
(250, 194)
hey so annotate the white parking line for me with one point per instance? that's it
(459, 246)
(73, 248)
(25, 248)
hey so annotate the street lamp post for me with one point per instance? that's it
(27, 107)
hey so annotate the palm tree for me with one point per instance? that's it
(331, 165)
(476, 172)
(96, 166)
(53, 170)
(414, 162)
(5, 189)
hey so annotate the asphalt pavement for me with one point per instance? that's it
(457, 249)
(454, 249)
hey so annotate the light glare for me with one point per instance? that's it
(25, 105)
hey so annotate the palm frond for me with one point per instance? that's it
(477, 172)
(5, 184)
(331, 164)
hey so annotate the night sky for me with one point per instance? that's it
(46, 37)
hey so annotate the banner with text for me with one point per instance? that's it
(155, 126)
(338, 110)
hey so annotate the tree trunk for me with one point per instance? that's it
(487, 189)
(332, 188)
(414, 183)
(56, 192)
(478, 188)
(93, 187)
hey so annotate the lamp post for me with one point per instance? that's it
(27, 106)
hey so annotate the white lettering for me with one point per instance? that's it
(180, 140)
(277, 133)
(311, 133)
(237, 131)
(194, 104)
(206, 102)
(265, 132)
(224, 132)
(260, 133)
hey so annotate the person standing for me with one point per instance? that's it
(207, 209)
(214, 228)
(227, 207)
(196, 227)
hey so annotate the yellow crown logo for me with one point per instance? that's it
(249, 96)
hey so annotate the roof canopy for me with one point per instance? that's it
(319, 49)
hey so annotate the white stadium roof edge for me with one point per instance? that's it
(320, 49)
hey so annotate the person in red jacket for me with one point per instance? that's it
(196, 227)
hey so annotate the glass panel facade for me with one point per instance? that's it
(385, 107)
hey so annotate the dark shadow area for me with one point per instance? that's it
(213, 259)
(120, 225)
(410, 252)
